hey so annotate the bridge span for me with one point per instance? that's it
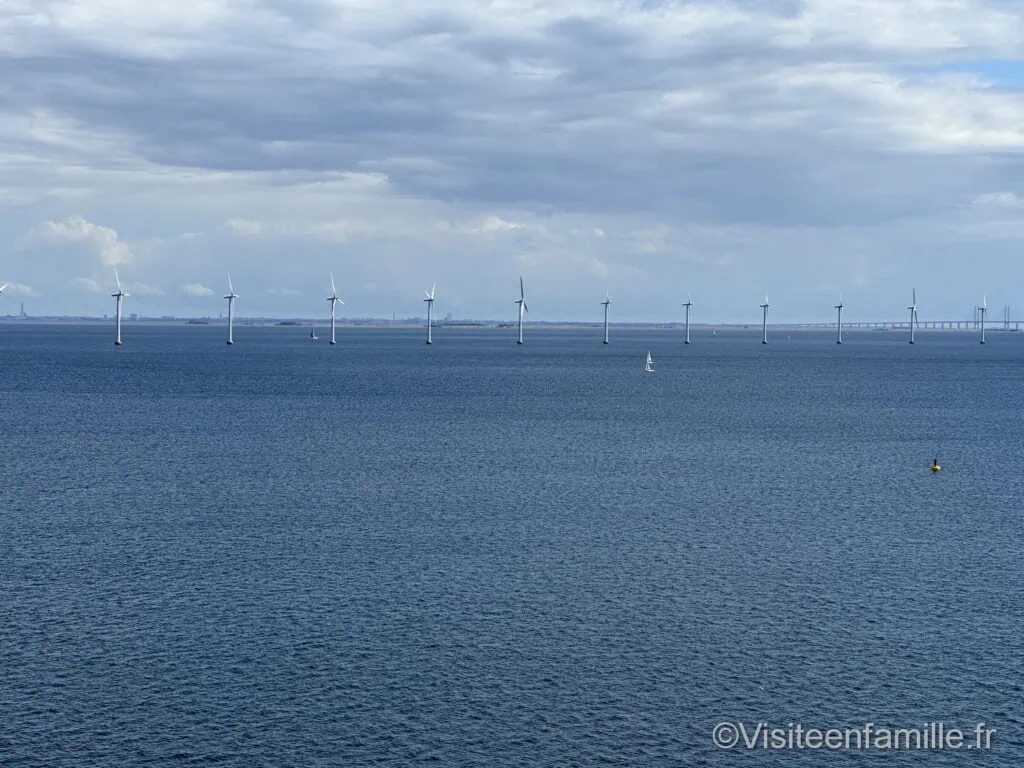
(999, 325)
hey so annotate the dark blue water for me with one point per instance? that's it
(478, 554)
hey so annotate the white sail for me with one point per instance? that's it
(650, 363)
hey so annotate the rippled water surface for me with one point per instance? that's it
(478, 554)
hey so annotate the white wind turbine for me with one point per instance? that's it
(521, 301)
(983, 309)
(606, 302)
(839, 320)
(3, 288)
(334, 299)
(119, 296)
(231, 306)
(688, 304)
(430, 312)
(913, 314)
(764, 327)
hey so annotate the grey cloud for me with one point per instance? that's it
(764, 117)
(219, 113)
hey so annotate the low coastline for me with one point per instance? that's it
(483, 326)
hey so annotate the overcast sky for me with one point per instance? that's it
(721, 149)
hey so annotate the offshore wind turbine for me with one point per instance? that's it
(430, 312)
(231, 305)
(119, 296)
(521, 301)
(333, 298)
(606, 302)
(983, 310)
(688, 304)
(764, 324)
(913, 314)
(839, 321)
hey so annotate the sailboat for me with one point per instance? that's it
(650, 363)
(312, 333)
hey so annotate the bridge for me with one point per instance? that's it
(1003, 324)
(999, 325)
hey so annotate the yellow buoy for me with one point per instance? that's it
(936, 468)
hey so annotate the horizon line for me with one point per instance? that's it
(465, 322)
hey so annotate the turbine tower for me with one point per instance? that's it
(839, 322)
(521, 301)
(231, 305)
(982, 311)
(119, 296)
(430, 312)
(764, 325)
(688, 304)
(913, 314)
(606, 302)
(333, 298)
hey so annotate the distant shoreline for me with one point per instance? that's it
(291, 325)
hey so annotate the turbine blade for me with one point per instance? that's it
(525, 307)
(231, 288)
(432, 289)
(118, 279)
(3, 287)
(522, 291)
(334, 291)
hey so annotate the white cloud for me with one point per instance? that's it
(103, 241)
(999, 200)
(142, 289)
(910, 27)
(497, 224)
(596, 267)
(283, 292)
(196, 289)
(244, 227)
(334, 230)
(19, 289)
(86, 284)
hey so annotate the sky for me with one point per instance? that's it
(722, 150)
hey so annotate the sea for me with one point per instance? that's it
(475, 553)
